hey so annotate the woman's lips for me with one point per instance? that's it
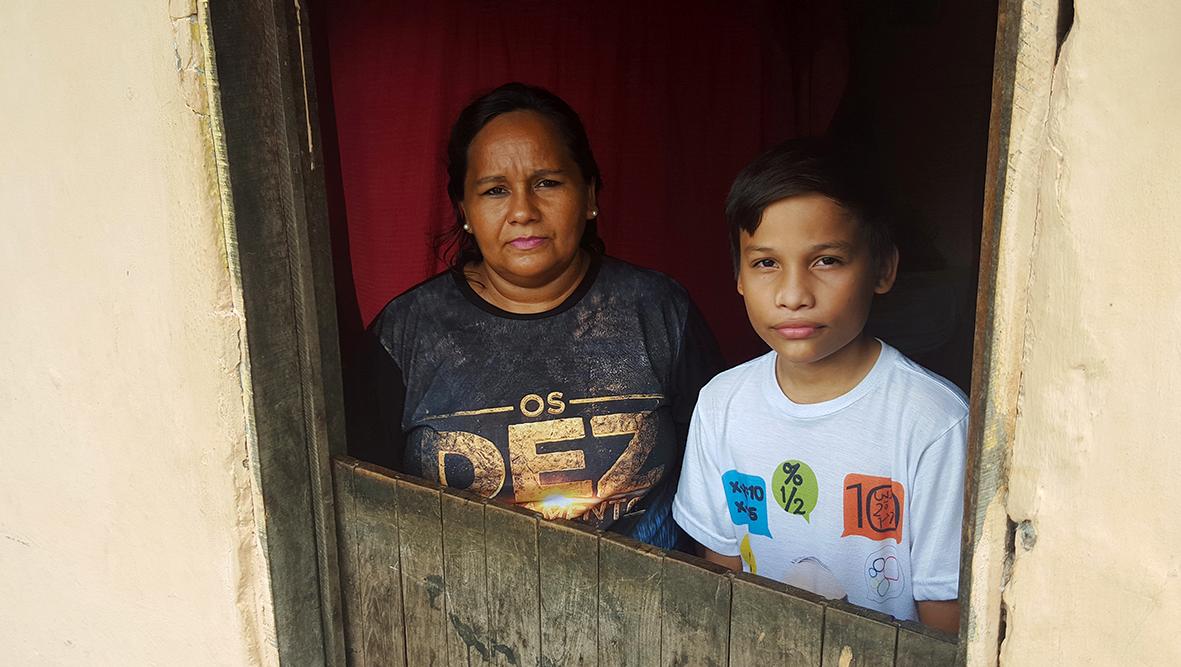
(527, 242)
(796, 330)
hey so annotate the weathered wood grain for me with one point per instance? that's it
(346, 540)
(569, 576)
(771, 624)
(289, 315)
(921, 647)
(514, 622)
(695, 620)
(378, 561)
(465, 580)
(629, 602)
(856, 640)
(420, 543)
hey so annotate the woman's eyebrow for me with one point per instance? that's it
(500, 179)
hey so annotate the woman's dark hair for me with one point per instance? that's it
(803, 167)
(458, 246)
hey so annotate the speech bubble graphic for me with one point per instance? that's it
(795, 488)
(748, 555)
(746, 496)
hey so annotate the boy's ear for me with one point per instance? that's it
(739, 281)
(887, 272)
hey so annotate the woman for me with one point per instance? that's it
(537, 370)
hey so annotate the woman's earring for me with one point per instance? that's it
(467, 228)
(594, 212)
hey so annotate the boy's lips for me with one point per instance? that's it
(796, 330)
(527, 242)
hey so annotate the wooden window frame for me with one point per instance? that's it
(263, 113)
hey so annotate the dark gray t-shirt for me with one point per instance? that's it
(579, 412)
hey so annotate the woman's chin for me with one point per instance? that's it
(533, 269)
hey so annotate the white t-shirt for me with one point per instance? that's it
(858, 497)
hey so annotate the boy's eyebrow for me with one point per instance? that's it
(843, 246)
(757, 249)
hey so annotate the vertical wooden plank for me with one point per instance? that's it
(629, 602)
(772, 624)
(378, 568)
(465, 580)
(514, 623)
(1023, 74)
(420, 541)
(254, 113)
(856, 640)
(922, 647)
(569, 576)
(695, 619)
(346, 541)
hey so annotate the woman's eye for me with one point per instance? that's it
(547, 183)
(496, 191)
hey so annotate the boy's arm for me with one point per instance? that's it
(937, 515)
(731, 562)
(939, 614)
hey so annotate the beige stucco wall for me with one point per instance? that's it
(1095, 579)
(127, 529)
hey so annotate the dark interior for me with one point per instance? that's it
(677, 96)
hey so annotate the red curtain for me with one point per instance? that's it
(676, 97)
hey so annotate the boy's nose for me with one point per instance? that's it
(794, 292)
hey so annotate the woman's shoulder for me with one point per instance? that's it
(426, 296)
(618, 274)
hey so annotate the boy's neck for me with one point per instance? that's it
(828, 378)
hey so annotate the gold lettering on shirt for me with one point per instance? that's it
(624, 476)
(556, 406)
(532, 405)
(485, 458)
(527, 465)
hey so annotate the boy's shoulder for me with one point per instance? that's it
(898, 381)
(746, 376)
(915, 388)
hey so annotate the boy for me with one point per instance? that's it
(833, 462)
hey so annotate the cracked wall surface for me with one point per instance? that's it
(127, 519)
(1096, 573)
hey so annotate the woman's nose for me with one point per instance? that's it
(522, 207)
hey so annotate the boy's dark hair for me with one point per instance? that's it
(802, 167)
(515, 96)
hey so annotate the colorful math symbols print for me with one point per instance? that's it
(873, 507)
(795, 488)
(746, 496)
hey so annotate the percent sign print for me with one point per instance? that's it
(795, 488)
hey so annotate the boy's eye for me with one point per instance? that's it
(496, 191)
(765, 263)
(828, 261)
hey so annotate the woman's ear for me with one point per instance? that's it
(592, 204)
(887, 272)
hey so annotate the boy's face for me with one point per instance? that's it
(808, 278)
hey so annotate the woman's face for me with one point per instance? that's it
(525, 199)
